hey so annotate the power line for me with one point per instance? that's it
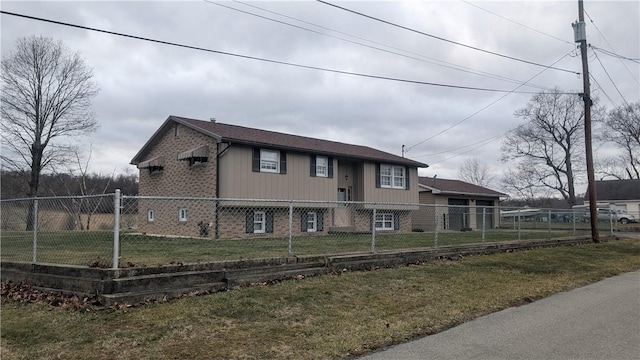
(484, 108)
(612, 54)
(517, 23)
(443, 39)
(462, 147)
(605, 40)
(610, 79)
(417, 82)
(422, 57)
(600, 88)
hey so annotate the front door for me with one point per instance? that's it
(341, 216)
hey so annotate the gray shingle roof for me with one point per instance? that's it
(457, 187)
(618, 189)
(256, 137)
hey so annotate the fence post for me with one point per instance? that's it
(573, 217)
(484, 214)
(435, 237)
(373, 230)
(290, 250)
(610, 222)
(518, 224)
(549, 221)
(116, 228)
(35, 230)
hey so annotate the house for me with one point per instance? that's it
(461, 205)
(622, 195)
(210, 160)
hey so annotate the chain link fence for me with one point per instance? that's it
(168, 230)
(73, 230)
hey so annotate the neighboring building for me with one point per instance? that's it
(195, 158)
(461, 207)
(622, 195)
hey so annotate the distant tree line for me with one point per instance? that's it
(13, 184)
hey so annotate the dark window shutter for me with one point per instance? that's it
(377, 175)
(249, 222)
(330, 167)
(406, 178)
(283, 162)
(256, 160)
(396, 220)
(319, 217)
(312, 169)
(304, 217)
(269, 222)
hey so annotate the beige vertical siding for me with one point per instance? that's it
(373, 194)
(237, 180)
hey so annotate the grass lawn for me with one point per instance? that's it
(323, 317)
(83, 247)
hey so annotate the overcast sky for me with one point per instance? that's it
(142, 83)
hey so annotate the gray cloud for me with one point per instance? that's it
(142, 83)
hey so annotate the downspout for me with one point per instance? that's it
(217, 192)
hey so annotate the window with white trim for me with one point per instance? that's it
(259, 222)
(392, 176)
(269, 161)
(322, 166)
(151, 216)
(312, 222)
(384, 221)
(182, 214)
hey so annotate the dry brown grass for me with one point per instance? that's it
(324, 317)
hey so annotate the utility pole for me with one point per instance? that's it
(581, 37)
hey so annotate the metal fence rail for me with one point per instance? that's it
(118, 231)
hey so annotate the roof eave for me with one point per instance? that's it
(407, 162)
(161, 130)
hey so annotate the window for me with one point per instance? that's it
(269, 161)
(321, 166)
(176, 130)
(384, 221)
(312, 222)
(259, 222)
(392, 177)
(265, 160)
(150, 215)
(182, 214)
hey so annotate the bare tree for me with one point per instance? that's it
(522, 183)
(83, 204)
(476, 172)
(622, 127)
(550, 143)
(46, 99)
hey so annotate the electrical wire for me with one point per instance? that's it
(517, 23)
(443, 39)
(601, 89)
(484, 108)
(605, 40)
(462, 147)
(612, 54)
(422, 57)
(610, 79)
(190, 47)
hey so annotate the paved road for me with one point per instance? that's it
(599, 321)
